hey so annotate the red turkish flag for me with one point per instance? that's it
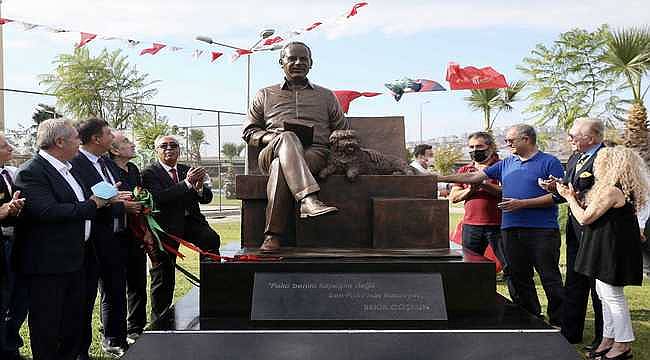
(471, 78)
(85, 39)
(153, 50)
(346, 96)
(313, 26)
(5, 21)
(353, 11)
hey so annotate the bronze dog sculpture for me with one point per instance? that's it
(349, 158)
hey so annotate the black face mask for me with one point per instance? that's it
(479, 155)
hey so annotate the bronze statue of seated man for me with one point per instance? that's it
(289, 163)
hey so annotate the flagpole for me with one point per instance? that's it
(2, 77)
(421, 105)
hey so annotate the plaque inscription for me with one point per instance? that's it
(348, 296)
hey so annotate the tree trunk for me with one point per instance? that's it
(636, 131)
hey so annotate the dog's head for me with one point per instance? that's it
(344, 141)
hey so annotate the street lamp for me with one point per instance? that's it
(263, 35)
(421, 105)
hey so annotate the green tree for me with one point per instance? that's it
(41, 113)
(105, 86)
(232, 150)
(627, 56)
(196, 139)
(444, 158)
(492, 101)
(569, 80)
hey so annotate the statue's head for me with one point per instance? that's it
(344, 141)
(295, 59)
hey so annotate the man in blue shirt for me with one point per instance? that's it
(530, 231)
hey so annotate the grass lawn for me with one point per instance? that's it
(225, 201)
(638, 297)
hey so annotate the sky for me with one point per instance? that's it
(385, 41)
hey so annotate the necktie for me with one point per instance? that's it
(174, 175)
(582, 161)
(7, 177)
(102, 165)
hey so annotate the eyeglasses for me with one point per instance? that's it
(511, 140)
(170, 146)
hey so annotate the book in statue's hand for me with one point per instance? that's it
(304, 132)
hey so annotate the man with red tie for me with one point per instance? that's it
(177, 190)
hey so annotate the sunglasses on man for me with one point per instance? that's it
(170, 146)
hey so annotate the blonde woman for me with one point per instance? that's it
(610, 250)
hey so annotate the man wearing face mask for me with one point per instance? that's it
(423, 155)
(482, 220)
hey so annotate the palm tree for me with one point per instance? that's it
(628, 56)
(493, 101)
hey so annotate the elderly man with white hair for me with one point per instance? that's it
(177, 190)
(51, 238)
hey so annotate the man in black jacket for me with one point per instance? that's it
(10, 285)
(586, 137)
(177, 191)
(50, 241)
(106, 251)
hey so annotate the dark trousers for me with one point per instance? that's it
(577, 288)
(477, 237)
(108, 272)
(136, 287)
(16, 305)
(163, 277)
(56, 315)
(539, 249)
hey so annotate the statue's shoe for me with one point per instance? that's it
(271, 242)
(311, 206)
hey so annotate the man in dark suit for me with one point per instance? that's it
(10, 205)
(106, 254)
(177, 191)
(50, 241)
(586, 137)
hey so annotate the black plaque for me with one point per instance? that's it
(348, 296)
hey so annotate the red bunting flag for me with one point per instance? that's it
(353, 11)
(273, 40)
(313, 26)
(346, 96)
(153, 50)
(471, 78)
(240, 52)
(215, 55)
(85, 39)
(5, 21)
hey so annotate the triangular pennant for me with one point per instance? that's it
(175, 48)
(215, 55)
(346, 96)
(85, 39)
(196, 54)
(356, 6)
(28, 26)
(273, 40)
(313, 26)
(240, 52)
(5, 21)
(133, 43)
(153, 50)
(55, 30)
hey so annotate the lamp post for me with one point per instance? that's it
(263, 35)
(421, 105)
